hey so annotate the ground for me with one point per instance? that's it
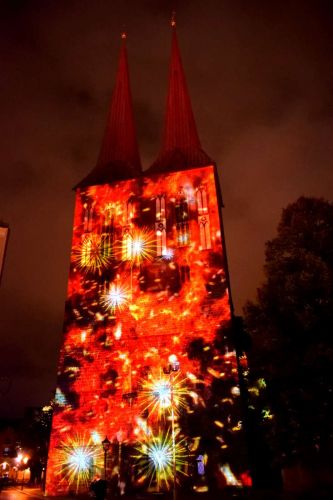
(15, 493)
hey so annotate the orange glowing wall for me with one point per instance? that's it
(147, 278)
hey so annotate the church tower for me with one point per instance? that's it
(146, 358)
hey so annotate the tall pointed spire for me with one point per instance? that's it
(181, 147)
(119, 155)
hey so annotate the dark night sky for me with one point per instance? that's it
(260, 79)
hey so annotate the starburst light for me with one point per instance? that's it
(138, 246)
(76, 459)
(93, 254)
(154, 459)
(162, 394)
(168, 254)
(116, 298)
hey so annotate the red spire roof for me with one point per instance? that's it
(181, 146)
(119, 155)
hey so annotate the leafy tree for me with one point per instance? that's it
(291, 325)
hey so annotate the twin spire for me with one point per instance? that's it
(119, 155)
(181, 146)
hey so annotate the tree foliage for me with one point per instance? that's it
(291, 325)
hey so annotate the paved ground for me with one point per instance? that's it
(15, 493)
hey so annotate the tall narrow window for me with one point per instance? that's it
(203, 219)
(160, 226)
(87, 216)
(104, 287)
(129, 210)
(182, 217)
(87, 247)
(127, 246)
(108, 231)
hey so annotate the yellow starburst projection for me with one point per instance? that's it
(158, 457)
(116, 298)
(138, 245)
(93, 254)
(164, 393)
(78, 459)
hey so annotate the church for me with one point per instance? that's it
(147, 390)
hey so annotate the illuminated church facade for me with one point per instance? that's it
(146, 357)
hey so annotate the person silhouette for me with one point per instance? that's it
(98, 487)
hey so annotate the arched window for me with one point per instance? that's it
(203, 219)
(182, 218)
(127, 246)
(108, 230)
(88, 209)
(160, 226)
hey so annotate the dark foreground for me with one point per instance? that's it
(15, 493)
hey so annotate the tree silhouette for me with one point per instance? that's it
(291, 325)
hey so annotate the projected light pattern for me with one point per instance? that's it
(147, 291)
(92, 254)
(138, 245)
(161, 394)
(116, 297)
(154, 460)
(79, 460)
(76, 461)
(161, 390)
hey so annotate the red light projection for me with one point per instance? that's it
(146, 358)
